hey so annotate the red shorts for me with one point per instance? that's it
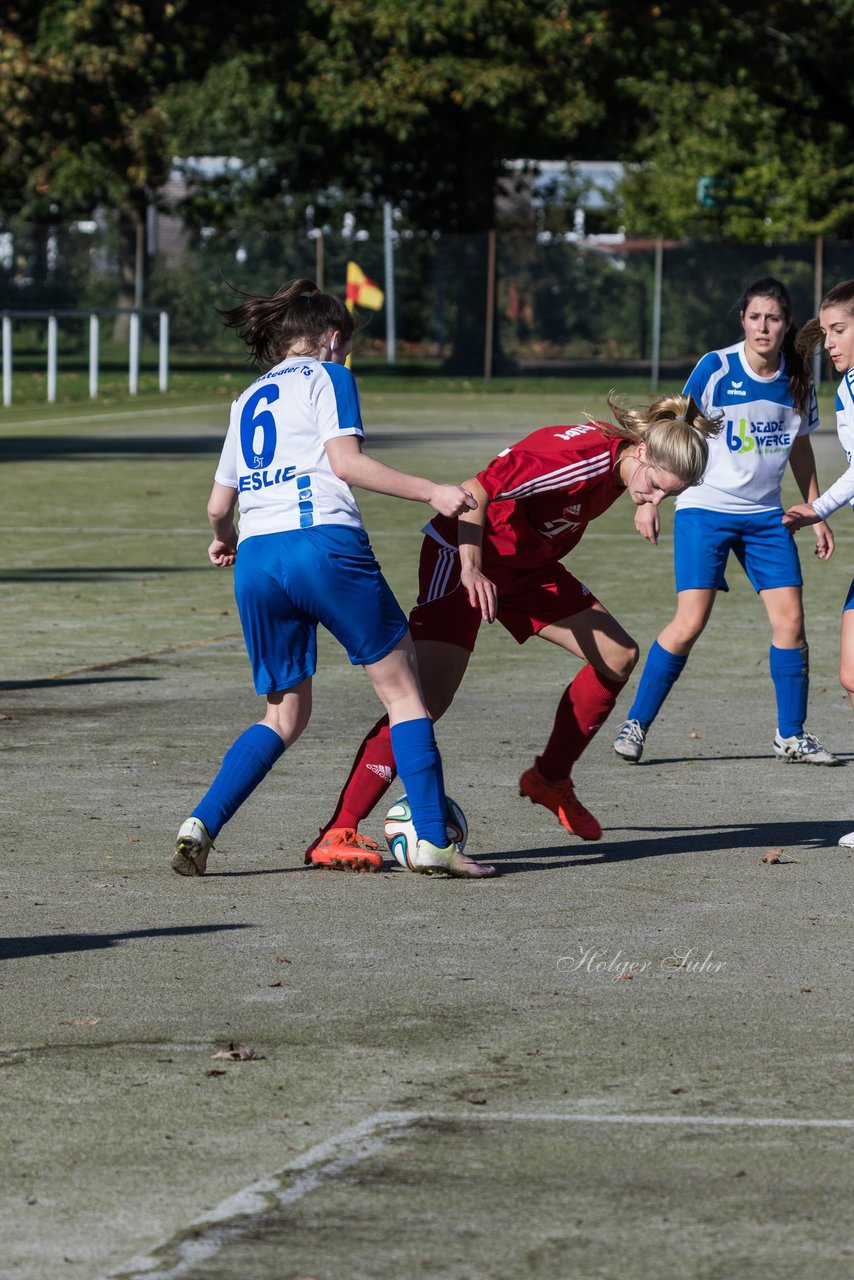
(534, 600)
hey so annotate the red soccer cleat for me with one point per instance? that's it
(560, 798)
(343, 849)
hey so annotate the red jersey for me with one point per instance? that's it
(543, 492)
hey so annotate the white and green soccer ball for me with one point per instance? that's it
(400, 830)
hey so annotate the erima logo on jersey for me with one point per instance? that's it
(735, 389)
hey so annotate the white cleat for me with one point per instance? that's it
(847, 841)
(191, 849)
(430, 859)
(631, 741)
(802, 748)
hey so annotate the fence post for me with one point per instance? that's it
(93, 356)
(656, 313)
(390, 319)
(490, 306)
(7, 360)
(51, 359)
(318, 258)
(133, 358)
(163, 358)
(818, 293)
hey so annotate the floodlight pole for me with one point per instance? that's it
(51, 359)
(390, 322)
(656, 314)
(7, 360)
(93, 356)
(818, 293)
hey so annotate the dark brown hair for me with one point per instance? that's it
(797, 369)
(809, 337)
(297, 314)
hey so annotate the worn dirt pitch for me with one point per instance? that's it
(555, 1119)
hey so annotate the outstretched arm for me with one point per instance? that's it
(360, 469)
(802, 462)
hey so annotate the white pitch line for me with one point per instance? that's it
(208, 1234)
(235, 1215)
(94, 418)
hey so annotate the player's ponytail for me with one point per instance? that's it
(675, 430)
(293, 320)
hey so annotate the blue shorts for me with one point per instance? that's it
(287, 583)
(849, 599)
(765, 548)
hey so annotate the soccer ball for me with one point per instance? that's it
(400, 830)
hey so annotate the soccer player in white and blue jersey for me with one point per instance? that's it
(835, 328)
(762, 389)
(302, 558)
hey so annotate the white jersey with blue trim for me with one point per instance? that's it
(760, 424)
(842, 490)
(274, 453)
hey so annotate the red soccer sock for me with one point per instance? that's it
(371, 776)
(581, 712)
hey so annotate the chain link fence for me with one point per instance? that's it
(557, 304)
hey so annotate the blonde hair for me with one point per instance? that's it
(673, 428)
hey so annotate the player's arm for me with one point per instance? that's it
(364, 472)
(223, 550)
(479, 589)
(648, 522)
(802, 462)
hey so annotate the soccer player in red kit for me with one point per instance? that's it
(502, 561)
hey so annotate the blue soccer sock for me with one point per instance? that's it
(246, 763)
(420, 767)
(660, 673)
(790, 672)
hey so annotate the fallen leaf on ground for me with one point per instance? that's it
(806, 988)
(282, 960)
(693, 734)
(773, 855)
(236, 1053)
(79, 1022)
(215, 1072)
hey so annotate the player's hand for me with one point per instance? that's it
(222, 554)
(824, 540)
(452, 499)
(798, 516)
(481, 592)
(648, 522)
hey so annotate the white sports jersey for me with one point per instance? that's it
(273, 453)
(842, 490)
(748, 458)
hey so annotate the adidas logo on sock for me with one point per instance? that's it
(381, 770)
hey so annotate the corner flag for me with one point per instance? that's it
(362, 292)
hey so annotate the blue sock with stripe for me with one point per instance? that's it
(660, 673)
(790, 673)
(420, 767)
(246, 763)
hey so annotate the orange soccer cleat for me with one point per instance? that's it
(343, 849)
(560, 798)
